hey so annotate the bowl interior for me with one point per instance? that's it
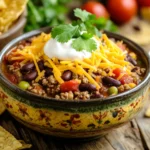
(133, 46)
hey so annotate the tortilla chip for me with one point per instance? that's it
(147, 113)
(139, 35)
(2, 4)
(8, 141)
(14, 8)
(24, 145)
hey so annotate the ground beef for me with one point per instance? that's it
(83, 79)
(37, 89)
(82, 95)
(124, 87)
(52, 80)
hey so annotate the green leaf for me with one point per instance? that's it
(92, 29)
(82, 14)
(84, 44)
(63, 33)
(35, 12)
(110, 26)
(86, 35)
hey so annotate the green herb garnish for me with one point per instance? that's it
(64, 33)
(84, 44)
(81, 30)
(42, 13)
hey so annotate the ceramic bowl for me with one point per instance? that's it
(14, 31)
(73, 119)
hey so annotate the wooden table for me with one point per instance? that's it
(135, 135)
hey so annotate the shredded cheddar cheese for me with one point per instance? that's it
(108, 55)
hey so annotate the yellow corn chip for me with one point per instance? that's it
(9, 142)
(12, 11)
(147, 113)
(2, 4)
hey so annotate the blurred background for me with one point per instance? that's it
(130, 18)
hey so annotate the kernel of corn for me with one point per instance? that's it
(132, 85)
(133, 55)
(104, 73)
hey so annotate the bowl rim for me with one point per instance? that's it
(48, 100)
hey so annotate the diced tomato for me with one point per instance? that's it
(71, 85)
(121, 46)
(126, 79)
(97, 79)
(12, 78)
(117, 72)
(5, 59)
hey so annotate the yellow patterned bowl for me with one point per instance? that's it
(73, 119)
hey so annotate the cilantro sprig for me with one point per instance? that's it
(81, 31)
(63, 33)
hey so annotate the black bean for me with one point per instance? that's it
(134, 69)
(136, 28)
(41, 65)
(96, 95)
(87, 87)
(30, 76)
(131, 60)
(48, 72)
(28, 67)
(28, 41)
(110, 81)
(67, 75)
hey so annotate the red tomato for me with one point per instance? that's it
(144, 3)
(121, 46)
(121, 11)
(117, 72)
(71, 85)
(96, 8)
(12, 78)
(126, 79)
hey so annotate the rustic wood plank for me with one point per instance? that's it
(125, 138)
(144, 126)
(99, 144)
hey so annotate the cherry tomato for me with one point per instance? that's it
(126, 79)
(143, 3)
(96, 8)
(121, 11)
(117, 72)
(71, 85)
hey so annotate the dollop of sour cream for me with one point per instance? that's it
(64, 51)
